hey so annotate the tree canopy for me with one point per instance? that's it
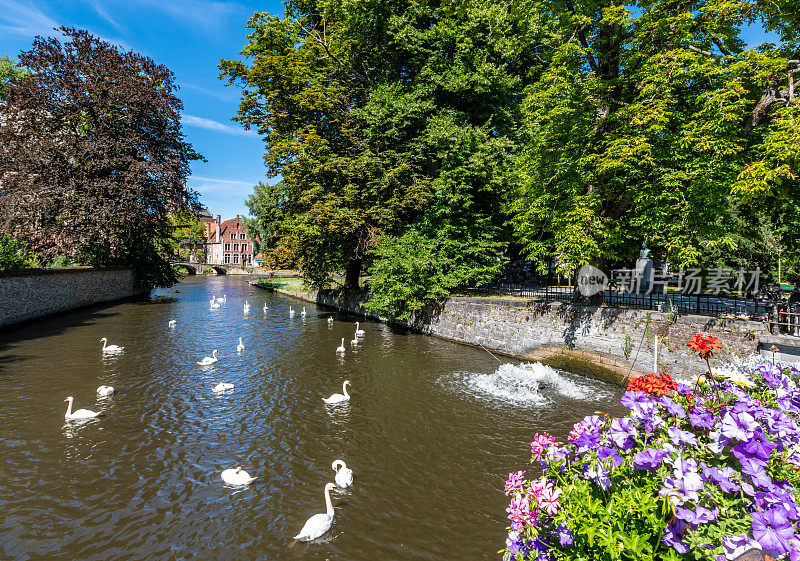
(92, 155)
(432, 141)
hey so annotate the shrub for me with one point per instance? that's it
(14, 255)
(690, 473)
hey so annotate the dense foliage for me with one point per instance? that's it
(92, 155)
(187, 234)
(9, 72)
(690, 473)
(482, 131)
(14, 255)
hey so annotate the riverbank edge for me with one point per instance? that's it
(606, 343)
(30, 295)
(593, 364)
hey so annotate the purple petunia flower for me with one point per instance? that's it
(649, 459)
(683, 389)
(608, 456)
(696, 517)
(623, 433)
(738, 425)
(772, 530)
(674, 409)
(700, 417)
(735, 546)
(672, 536)
(564, 535)
(598, 475)
(630, 398)
(755, 469)
(515, 544)
(680, 437)
(722, 477)
(757, 448)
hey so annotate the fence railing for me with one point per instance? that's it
(701, 304)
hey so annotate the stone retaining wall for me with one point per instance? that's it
(39, 292)
(604, 342)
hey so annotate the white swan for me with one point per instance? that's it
(303, 313)
(340, 348)
(319, 523)
(79, 414)
(171, 323)
(355, 340)
(359, 332)
(246, 307)
(330, 319)
(214, 305)
(209, 359)
(211, 302)
(236, 476)
(265, 308)
(222, 387)
(111, 348)
(291, 312)
(240, 346)
(223, 299)
(337, 397)
(344, 475)
(104, 391)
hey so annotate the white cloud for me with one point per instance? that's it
(206, 185)
(203, 13)
(223, 95)
(209, 124)
(104, 14)
(23, 19)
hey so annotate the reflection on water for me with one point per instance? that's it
(431, 432)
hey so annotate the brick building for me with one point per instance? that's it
(228, 242)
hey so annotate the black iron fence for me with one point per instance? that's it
(778, 311)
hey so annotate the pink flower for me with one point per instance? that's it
(541, 442)
(515, 482)
(519, 512)
(545, 495)
(578, 429)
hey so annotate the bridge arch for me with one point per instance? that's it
(190, 269)
(219, 270)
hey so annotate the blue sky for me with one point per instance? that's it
(188, 36)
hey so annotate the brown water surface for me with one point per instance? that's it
(431, 432)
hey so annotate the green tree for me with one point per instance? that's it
(653, 123)
(186, 233)
(266, 204)
(386, 118)
(9, 73)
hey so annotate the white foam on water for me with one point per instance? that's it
(525, 384)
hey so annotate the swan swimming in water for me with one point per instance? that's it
(291, 312)
(330, 319)
(211, 302)
(78, 415)
(246, 307)
(344, 475)
(209, 359)
(337, 397)
(303, 313)
(359, 332)
(214, 305)
(340, 348)
(111, 348)
(171, 323)
(354, 341)
(237, 476)
(240, 346)
(222, 387)
(265, 308)
(104, 391)
(319, 523)
(223, 299)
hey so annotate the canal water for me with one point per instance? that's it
(431, 432)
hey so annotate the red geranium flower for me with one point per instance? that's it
(704, 345)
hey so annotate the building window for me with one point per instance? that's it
(227, 247)
(236, 258)
(244, 247)
(244, 259)
(233, 236)
(242, 237)
(236, 247)
(227, 258)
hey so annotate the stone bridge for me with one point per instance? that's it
(202, 268)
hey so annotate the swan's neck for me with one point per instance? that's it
(328, 503)
(344, 389)
(69, 407)
(356, 326)
(214, 354)
(104, 346)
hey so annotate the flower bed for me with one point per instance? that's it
(707, 472)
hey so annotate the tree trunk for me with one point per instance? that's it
(352, 274)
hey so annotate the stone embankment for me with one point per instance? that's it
(35, 293)
(603, 342)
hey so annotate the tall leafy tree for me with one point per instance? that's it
(9, 72)
(653, 123)
(93, 156)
